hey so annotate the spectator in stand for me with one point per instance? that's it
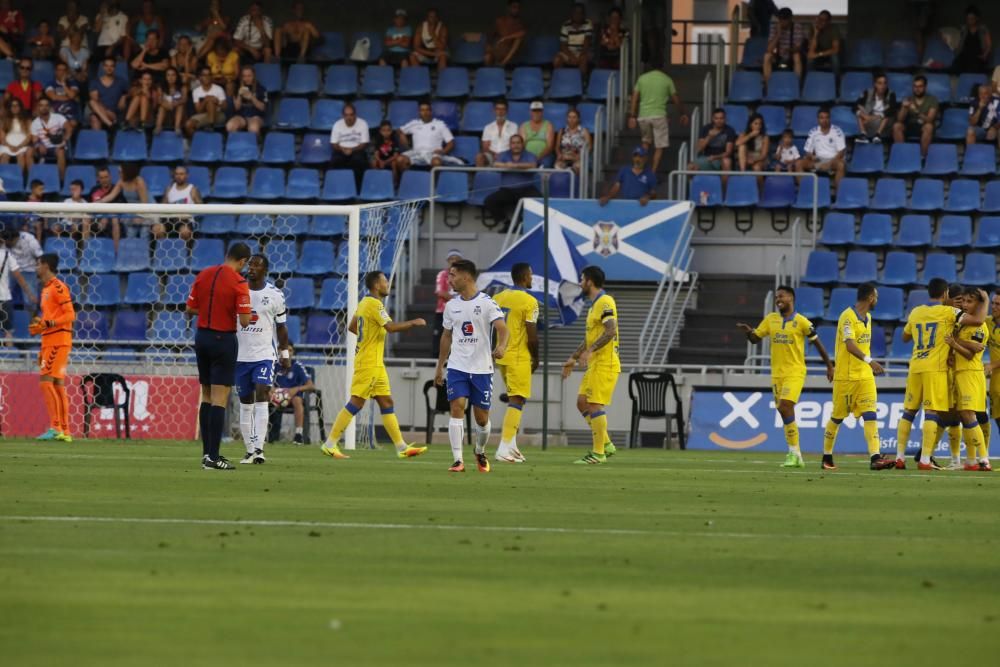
(254, 34)
(715, 145)
(572, 141)
(299, 31)
(184, 60)
(432, 141)
(387, 150)
(760, 13)
(575, 39)
(152, 57)
(349, 141)
(36, 193)
(181, 191)
(397, 41)
(213, 26)
(784, 45)
(875, 109)
(786, 155)
(132, 188)
(64, 94)
(996, 80)
(9, 267)
(42, 43)
(111, 26)
(172, 102)
(917, 116)
(24, 87)
(507, 37)
(25, 250)
(825, 148)
(16, 139)
(430, 42)
(107, 97)
(11, 26)
(538, 134)
(513, 186)
(72, 225)
(209, 103)
(104, 226)
(145, 22)
(753, 146)
(77, 57)
(249, 104)
(974, 45)
(444, 294)
(824, 45)
(224, 62)
(984, 117)
(648, 109)
(635, 182)
(496, 135)
(292, 376)
(52, 133)
(613, 36)
(71, 21)
(143, 98)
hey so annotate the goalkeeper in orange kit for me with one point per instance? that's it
(55, 325)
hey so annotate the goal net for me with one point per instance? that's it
(129, 269)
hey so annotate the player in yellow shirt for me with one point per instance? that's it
(968, 344)
(927, 381)
(598, 354)
(370, 324)
(854, 389)
(993, 345)
(520, 311)
(788, 332)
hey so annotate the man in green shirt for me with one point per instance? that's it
(917, 116)
(648, 109)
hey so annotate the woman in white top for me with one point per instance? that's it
(15, 135)
(430, 42)
(573, 140)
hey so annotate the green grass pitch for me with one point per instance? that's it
(679, 558)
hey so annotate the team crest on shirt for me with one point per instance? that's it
(468, 329)
(265, 300)
(605, 238)
(254, 317)
(477, 310)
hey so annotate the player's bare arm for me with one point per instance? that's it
(573, 358)
(608, 335)
(353, 325)
(959, 347)
(531, 331)
(855, 351)
(748, 332)
(818, 344)
(502, 337)
(977, 318)
(443, 357)
(397, 327)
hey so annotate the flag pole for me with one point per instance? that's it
(545, 301)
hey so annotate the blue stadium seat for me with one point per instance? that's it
(939, 85)
(370, 111)
(980, 269)
(980, 160)
(844, 117)
(809, 302)
(414, 82)
(300, 293)
(466, 148)
(80, 172)
(401, 112)
(91, 145)
(267, 184)
(206, 147)
(991, 197)
(902, 54)
(774, 119)
(292, 114)
(778, 192)
(737, 116)
(966, 89)
(942, 160)
(914, 231)
(142, 288)
(518, 112)
(340, 261)
(302, 185)
(939, 265)
(206, 253)
(888, 309)
(819, 88)
(566, 84)
(782, 88)
(822, 268)
(169, 327)
(927, 195)
(103, 290)
(129, 146)
(65, 248)
(901, 83)
(827, 334)
(852, 194)
(963, 196)
(861, 267)
(325, 113)
(241, 147)
(315, 149)
(339, 185)
(803, 120)
(167, 147)
(98, 256)
(753, 53)
(133, 255)
(866, 159)
(316, 258)
(539, 50)
(47, 174)
(484, 183)
(708, 188)
(322, 330)
(253, 244)
(954, 231)
(476, 116)
(157, 177)
(13, 178)
(291, 225)
(269, 76)
(988, 234)
(447, 112)
(378, 81)
(746, 88)
(331, 48)
(294, 325)
(900, 349)
(741, 191)
(453, 82)
(916, 297)
(283, 256)
(879, 349)
(170, 255)
(853, 85)
(841, 298)
(279, 148)
(954, 125)
(555, 113)
(341, 81)
(900, 268)
(838, 229)
(332, 294)
(597, 84)
(251, 224)
(904, 159)
(218, 225)
(91, 325)
(374, 41)
(876, 230)
(468, 53)
(230, 183)
(302, 79)
(328, 225)
(864, 54)
(452, 187)
(526, 84)
(890, 195)
(414, 185)
(490, 83)
(200, 177)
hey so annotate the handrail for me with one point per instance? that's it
(720, 70)
(600, 138)
(676, 323)
(707, 103)
(693, 130)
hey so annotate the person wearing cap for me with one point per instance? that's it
(496, 135)
(299, 31)
(397, 41)
(648, 108)
(635, 182)
(507, 36)
(538, 134)
(514, 183)
(444, 294)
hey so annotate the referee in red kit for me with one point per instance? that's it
(219, 295)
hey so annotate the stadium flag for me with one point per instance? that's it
(565, 264)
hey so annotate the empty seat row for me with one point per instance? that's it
(823, 268)
(915, 231)
(941, 160)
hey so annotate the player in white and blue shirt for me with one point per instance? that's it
(470, 319)
(257, 354)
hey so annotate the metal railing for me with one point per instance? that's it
(788, 268)
(660, 329)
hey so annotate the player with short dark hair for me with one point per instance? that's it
(219, 297)
(968, 345)
(55, 325)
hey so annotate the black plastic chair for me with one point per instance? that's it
(648, 392)
(99, 392)
(441, 405)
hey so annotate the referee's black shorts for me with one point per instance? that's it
(216, 353)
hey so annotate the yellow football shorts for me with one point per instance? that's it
(369, 382)
(853, 397)
(995, 395)
(970, 391)
(928, 390)
(517, 379)
(598, 385)
(787, 388)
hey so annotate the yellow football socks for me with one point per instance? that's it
(986, 428)
(830, 436)
(903, 433)
(511, 422)
(931, 432)
(391, 425)
(792, 435)
(599, 427)
(871, 436)
(973, 440)
(343, 419)
(955, 441)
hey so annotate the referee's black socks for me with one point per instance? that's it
(205, 426)
(217, 418)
